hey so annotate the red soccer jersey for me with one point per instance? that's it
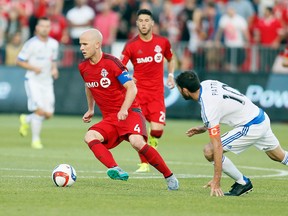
(269, 31)
(101, 79)
(148, 62)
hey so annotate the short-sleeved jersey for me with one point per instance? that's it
(40, 54)
(147, 58)
(102, 81)
(221, 103)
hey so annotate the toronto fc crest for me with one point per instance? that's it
(104, 81)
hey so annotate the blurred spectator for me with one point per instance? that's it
(184, 17)
(280, 64)
(24, 9)
(80, 18)
(156, 9)
(221, 5)
(191, 31)
(97, 5)
(178, 6)
(59, 25)
(212, 16)
(234, 28)
(126, 10)
(197, 36)
(243, 8)
(107, 22)
(246, 9)
(67, 5)
(281, 13)
(268, 33)
(13, 48)
(262, 5)
(39, 10)
(3, 27)
(14, 24)
(168, 24)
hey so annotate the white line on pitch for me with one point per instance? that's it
(279, 173)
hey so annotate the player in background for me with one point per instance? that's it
(108, 84)
(39, 57)
(221, 104)
(146, 52)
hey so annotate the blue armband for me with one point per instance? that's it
(124, 77)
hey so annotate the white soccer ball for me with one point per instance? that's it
(64, 175)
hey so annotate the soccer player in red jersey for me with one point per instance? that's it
(108, 84)
(146, 52)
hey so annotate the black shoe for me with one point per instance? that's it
(238, 189)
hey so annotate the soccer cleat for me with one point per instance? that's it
(24, 126)
(153, 141)
(238, 189)
(116, 173)
(37, 144)
(143, 168)
(172, 182)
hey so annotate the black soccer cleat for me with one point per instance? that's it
(238, 189)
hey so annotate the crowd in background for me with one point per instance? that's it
(231, 35)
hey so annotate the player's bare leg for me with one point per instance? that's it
(278, 154)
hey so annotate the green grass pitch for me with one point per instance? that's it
(26, 187)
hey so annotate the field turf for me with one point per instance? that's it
(26, 187)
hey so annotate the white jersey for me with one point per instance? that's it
(80, 16)
(233, 30)
(221, 103)
(40, 54)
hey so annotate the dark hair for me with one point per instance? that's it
(146, 12)
(188, 80)
(269, 9)
(43, 18)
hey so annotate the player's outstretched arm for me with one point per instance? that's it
(196, 130)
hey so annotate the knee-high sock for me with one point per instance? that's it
(36, 126)
(102, 153)
(153, 133)
(231, 170)
(142, 158)
(155, 159)
(285, 160)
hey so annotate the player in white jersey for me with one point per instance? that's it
(38, 56)
(221, 104)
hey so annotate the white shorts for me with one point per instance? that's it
(40, 96)
(258, 135)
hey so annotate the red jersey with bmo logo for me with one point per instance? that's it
(101, 79)
(147, 58)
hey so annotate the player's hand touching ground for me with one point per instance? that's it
(215, 188)
(196, 130)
